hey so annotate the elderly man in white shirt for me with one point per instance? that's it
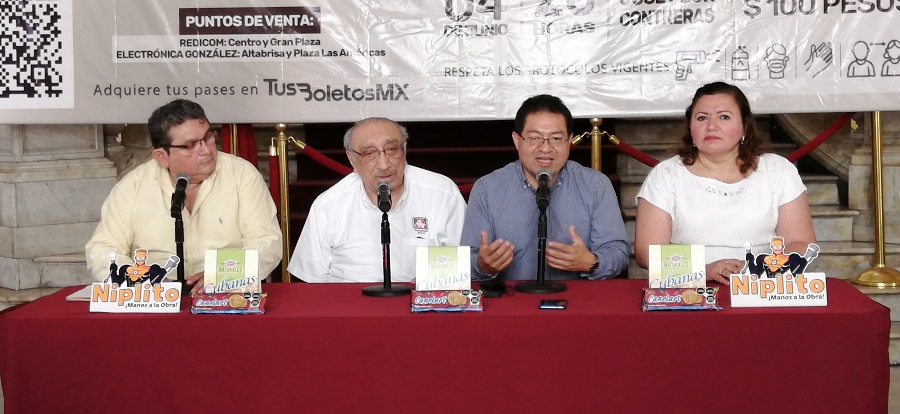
(341, 240)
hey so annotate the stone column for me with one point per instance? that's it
(53, 180)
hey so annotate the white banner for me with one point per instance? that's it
(96, 61)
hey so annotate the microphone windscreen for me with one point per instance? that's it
(384, 196)
(542, 196)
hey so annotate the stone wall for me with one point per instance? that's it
(53, 180)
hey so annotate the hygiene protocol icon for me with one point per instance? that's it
(776, 60)
(740, 64)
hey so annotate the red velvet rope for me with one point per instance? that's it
(637, 154)
(327, 162)
(819, 139)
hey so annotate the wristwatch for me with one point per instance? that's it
(594, 266)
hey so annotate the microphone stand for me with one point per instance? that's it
(179, 250)
(540, 285)
(386, 289)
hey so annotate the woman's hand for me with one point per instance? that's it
(197, 282)
(719, 270)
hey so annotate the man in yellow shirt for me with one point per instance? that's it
(227, 203)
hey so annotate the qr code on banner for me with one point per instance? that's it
(36, 54)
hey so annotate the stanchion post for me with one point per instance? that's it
(233, 139)
(595, 143)
(879, 275)
(279, 144)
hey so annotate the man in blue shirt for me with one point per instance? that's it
(585, 233)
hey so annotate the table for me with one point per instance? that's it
(329, 349)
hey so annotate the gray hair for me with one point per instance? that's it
(403, 133)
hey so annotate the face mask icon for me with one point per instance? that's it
(776, 60)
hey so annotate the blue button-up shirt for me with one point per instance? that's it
(502, 203)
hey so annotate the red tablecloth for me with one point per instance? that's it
(329, 349)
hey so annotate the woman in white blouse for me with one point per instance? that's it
(720, 190)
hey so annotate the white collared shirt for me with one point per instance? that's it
(341, 240)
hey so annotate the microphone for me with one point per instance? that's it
(543, 192)
(384, 196)
(384, 204)
(181, 183)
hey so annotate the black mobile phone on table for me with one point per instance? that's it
(555, 304)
